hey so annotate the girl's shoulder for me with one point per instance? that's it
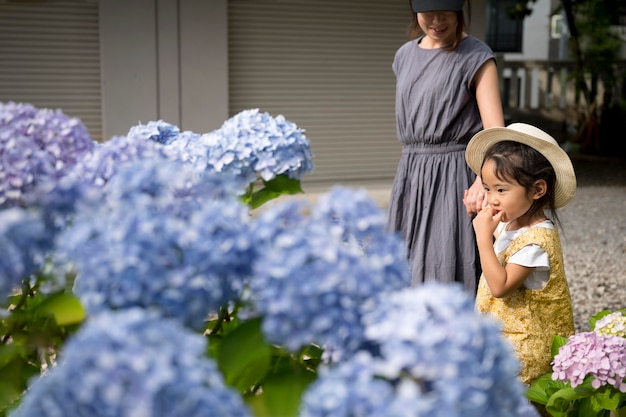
(507, 237)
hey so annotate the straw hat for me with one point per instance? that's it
(535, 138)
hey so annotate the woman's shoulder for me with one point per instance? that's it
(472, 44)
(407, 46)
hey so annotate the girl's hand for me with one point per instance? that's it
(474, 198)
(486, 222)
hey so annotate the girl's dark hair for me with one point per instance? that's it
(415, 31)
(518, 162)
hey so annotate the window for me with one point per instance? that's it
(504, 34)
(556, 26)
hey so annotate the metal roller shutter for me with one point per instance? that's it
(50, 58)
(326, 66)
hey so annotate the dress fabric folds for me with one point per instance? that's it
(436, 116)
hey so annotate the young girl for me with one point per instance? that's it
(523, 284)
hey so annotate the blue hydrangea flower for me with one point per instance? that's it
(28, 233)
(37, 145)
(352, 388)
(167, 238)
(157, 131)
(433, 335)
(110, 156)
(317, 271)
(252, 144)
(134, 364)
(25, 240)
(156, 139)
(184, 146)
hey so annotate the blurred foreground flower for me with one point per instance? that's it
(167, 238)
(429, 354)
(132, 363)
(196, 307)
(24, 242)
(320, 266)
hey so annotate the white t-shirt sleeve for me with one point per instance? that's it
(533, 256)
(530, 256)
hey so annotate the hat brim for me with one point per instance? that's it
(565, 175)
(422, 6)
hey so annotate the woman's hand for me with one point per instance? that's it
(474, 198)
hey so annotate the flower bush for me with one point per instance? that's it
(140, 282)
(588, 375)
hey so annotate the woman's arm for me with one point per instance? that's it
(488, 95)
(490, 108)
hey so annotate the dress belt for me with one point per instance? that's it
(433, 149)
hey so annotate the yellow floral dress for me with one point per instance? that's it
(530, 317)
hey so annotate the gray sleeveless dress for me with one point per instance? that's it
(436, 116)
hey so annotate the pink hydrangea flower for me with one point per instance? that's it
(589, 354)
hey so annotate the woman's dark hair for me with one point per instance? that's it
(518, 162)
(415, 31)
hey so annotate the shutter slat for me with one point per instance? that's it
(50, 58)
(326, 66)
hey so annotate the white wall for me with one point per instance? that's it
(535, 44)
(164, 59)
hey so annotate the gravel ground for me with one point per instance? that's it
(593, 237)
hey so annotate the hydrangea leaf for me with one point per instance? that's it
(260, 197)
(559, 403)
(605, 399)
(557, 343)
(244, 357)
(274, 188)
(542, 388)
(282, 393)
(16, 371)
(282, 183)
(65, 308)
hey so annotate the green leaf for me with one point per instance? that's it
(606, 398)
(65, 308)
(283, 184)
(274, 188)
(261, 197)
(564, 399)
(9, 394)
(15, 374)
(557, 343)
(244, 357)
(282, 394)
(589, 407)
(543, 387)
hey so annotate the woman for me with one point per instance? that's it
(447, 90)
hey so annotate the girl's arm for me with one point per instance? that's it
(490, 107)
(501, 280)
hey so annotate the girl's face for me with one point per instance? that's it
(507, 195)
(440, 26)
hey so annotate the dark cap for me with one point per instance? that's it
(420, 6)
